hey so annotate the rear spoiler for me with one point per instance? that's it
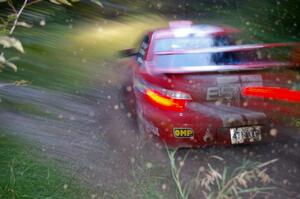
(247, 66)
(233, 48)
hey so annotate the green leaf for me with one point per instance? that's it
(2, 1)
(24, 24)
(97, 2)
(8, 42)
(11, 17)
(66, 2)
(2, 58)
(11, 65)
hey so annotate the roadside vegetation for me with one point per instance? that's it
(25, 174)
(247, 180)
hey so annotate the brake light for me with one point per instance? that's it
(276, 93)
(166, 102)
(163, 98)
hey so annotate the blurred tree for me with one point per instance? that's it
(9, 23)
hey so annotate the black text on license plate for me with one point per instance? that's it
(241, 135)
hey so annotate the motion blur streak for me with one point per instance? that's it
(275, 93)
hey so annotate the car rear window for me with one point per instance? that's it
(191, 42)
(196, 59)
(183, 43)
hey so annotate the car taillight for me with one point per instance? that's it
(275, 93)
(164, 98)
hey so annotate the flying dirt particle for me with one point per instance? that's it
(159, 5)
(43, 22)
(201, 169)
(273, 132)
(108, 97)
(149, 165)
(91, 113)
(93, 196)
(181, 163)
(285, 181)
(129, 115)
(60, 116)
(132, 160)
(128, 88)
(295, 145)
(273, 151)
(65, 186)
(164, 186)
(72, 118)
(116, 107)
(218, 103)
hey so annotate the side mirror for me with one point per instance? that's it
(127, 53)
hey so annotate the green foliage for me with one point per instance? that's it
(249, 178)
(183, 190)
(23, 176)
(8, 25)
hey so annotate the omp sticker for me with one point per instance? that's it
(183, 132)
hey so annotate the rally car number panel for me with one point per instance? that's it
(242, 135)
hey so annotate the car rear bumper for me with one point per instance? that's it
(210, 124)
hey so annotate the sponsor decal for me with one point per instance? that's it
(229, 88)
(183, 132)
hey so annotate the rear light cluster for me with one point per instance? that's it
(275, 93)
(163, 98)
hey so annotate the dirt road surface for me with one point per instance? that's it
(92, 133)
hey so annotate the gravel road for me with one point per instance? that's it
(92, 133)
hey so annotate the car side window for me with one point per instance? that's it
(141, 55)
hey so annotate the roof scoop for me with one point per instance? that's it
(180, 24)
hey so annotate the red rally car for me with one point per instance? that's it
(195, 85)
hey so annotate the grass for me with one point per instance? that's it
(183, 190)
(250, 178)
(22, 175)
(245, 181)
(147, 180)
